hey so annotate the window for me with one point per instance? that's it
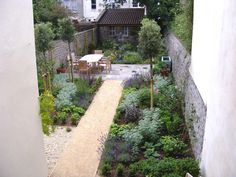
(135, 3)
(126, 31)
(93, 4)
(112, 31)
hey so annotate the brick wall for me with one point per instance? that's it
(194, 107)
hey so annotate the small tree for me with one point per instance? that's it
(150, 44)
(67, 32)
(43, 39)
(43, 36)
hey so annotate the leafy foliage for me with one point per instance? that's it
(105, 169)
(74, 118)
(62, 116)
(170, 99)
(118, 130)
(43, 37)
(182, 25)
(47, 108)
(163, 11)
(137, 80)
(120, 170)
(64, 98)
(166, 167)
(132, 113)
(149, 129)
(172, 146)
(48, 11)
(173, 123)
(66, 29)
(132, 58)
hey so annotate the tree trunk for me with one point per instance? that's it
(71, 64)
(151, 83)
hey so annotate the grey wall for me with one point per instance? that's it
(60, 49)
(194, 107)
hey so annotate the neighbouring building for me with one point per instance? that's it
(121, 25)
(21, 137)
(75, 6)
(91, 9)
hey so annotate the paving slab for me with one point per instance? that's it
(80, 158)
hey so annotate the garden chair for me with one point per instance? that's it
(105, 64)
(83, 67)
(98, 52)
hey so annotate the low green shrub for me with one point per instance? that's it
(132, 58)
(188, 165)
(118, 130)
(172, 146)
(123, 158)
(60, 80)
(64, 98)
(47, 108)
(171, 175)
(149, 129)
(145, 97)
(161, 82)
(106, 169)
(82, 85)
(74, 118)
(172, 122)
(96, 84)
(62, 116)
(150, 150)
(137, 81)
(166, 167)
(169, 99)
(120, 170)
(132, 113)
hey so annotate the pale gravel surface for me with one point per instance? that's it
(54, 144)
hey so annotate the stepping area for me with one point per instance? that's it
(81, 158)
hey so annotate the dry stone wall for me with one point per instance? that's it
(194, 107)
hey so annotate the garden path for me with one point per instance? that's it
(80, 158)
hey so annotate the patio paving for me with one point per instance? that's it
(124, 71)
(80, 158)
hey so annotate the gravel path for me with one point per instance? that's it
(80, 158)
(54, 144)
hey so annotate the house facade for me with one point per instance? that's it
(121, 25)
(91, 9)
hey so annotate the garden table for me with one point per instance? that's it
(92, 60)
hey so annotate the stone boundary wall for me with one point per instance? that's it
(82, 40)
(194, 108)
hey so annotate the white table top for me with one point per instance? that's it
(90, 58)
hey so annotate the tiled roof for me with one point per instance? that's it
(126, 16)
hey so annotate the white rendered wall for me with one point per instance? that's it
(21, 139)
(92, 14)
(214, 71)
